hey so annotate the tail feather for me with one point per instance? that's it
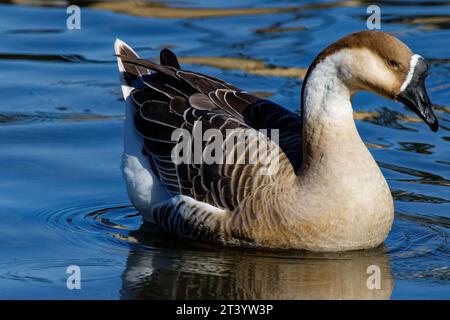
(132, 67)
(168, 58)
(128, 72)
(166, 70)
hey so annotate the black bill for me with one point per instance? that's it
(415, 96)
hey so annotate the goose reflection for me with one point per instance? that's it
(162, 267)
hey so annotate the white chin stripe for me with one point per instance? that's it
(412, 66)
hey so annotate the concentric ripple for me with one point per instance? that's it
(417, 245)
(98, 222)
(419, 248)
(110, 242)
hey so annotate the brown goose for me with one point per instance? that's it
(326, 192)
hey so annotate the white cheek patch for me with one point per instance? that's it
(412, 65)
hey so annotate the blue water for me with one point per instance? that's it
(63, 201)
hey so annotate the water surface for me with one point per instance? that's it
(62, 198)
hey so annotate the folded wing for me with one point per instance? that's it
(171, 99)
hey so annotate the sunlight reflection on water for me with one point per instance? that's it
(60, 132)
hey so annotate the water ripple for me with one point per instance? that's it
(417, 244)
(24, 118)
(72, 58)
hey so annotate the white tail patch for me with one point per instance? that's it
(118, 45)
(143, 187)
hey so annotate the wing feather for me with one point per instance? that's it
(171, 98)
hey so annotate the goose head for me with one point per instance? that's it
(378, 62)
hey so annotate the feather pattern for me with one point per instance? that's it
(171, 98)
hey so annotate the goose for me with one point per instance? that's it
(321, 189)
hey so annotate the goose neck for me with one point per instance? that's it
(327, 114)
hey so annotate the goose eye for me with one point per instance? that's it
(394, 64)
